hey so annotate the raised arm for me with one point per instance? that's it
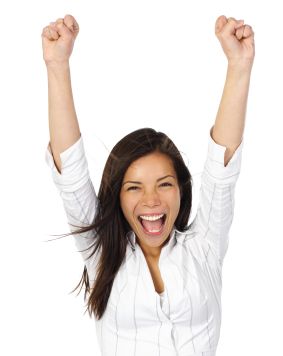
(223, 164)
(237, 41)
(57, 42)
(67, 159)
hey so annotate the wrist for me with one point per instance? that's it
(57, 66)
(240, 65)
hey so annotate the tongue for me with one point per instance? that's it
(152, 225)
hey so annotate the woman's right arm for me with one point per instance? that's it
(57, 42)
(63, 123)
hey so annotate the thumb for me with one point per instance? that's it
(220, 23)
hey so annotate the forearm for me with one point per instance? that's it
(230, 120)
(63, 123)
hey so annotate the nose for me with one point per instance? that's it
(151, 199)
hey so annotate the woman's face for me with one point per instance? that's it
(150, 189)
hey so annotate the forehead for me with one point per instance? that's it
(152, 165)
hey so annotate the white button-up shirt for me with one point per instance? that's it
(184, 320)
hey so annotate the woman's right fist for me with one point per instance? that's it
(58, 39)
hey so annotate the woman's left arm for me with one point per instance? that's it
(237, 41)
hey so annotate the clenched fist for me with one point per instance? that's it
(58, 39)
(236, 39)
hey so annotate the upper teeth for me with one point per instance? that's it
(152, 217)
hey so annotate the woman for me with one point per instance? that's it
(153, 283)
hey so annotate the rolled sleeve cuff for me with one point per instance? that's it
(74, 167)
(214, 165)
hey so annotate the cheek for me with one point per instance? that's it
(127, 205)
(175, 200)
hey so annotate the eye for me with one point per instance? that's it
(133, 188)
(166, 184)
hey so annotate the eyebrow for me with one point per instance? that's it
(135, 182)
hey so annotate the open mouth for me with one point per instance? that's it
(152, 225)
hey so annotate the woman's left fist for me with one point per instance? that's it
(236, 39)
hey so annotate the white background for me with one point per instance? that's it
(135, 64)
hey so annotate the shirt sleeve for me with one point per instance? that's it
(78, 196)
(217, 197)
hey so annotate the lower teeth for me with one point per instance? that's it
(155, 230)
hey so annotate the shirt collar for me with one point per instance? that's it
(174, 236)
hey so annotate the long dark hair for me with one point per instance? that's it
(110, 226)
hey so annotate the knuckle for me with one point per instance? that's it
(68, 16)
